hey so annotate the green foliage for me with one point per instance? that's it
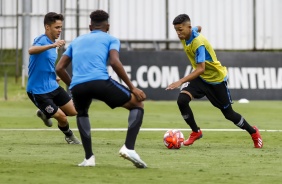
(8, 60)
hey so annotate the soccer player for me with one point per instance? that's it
(209, 78)
(89, 55)
(42, 86)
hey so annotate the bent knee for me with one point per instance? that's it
(183, 99)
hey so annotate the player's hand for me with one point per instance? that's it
(59, 43)
(174, 85)
(140, 95)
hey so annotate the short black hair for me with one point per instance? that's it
(99, 16)
(180, 19)
(51, 17)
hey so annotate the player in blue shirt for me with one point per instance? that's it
(42, 87)
(90, 80)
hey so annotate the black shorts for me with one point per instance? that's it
(109, 91)
(49, 103)
(218, 94)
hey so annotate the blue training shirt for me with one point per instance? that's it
(89, 54)
(41, 68)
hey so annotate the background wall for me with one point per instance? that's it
(252, 75)
(229, 24)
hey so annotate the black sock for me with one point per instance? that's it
(237, 119)
(243, 124)
(135, 119)
(66, 130)
(84, 128)
(186, 112)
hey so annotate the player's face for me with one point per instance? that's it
(54, 30)
(183, 30)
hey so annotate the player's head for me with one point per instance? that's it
(182, 26)
(53, 23)
(99, 20)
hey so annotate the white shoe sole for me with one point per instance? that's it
(137, 163)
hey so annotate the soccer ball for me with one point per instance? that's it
(173, 139)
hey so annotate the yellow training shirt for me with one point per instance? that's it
(214, 71)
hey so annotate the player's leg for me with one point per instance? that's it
(135, 119)
(240, 122)
(187, 114)
(65, 107)
(220, 97)
(82, 100)
(188, 92)
(47, 121)
(183, 101)
(116, 95)
(69, 108)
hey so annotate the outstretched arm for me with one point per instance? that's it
(197, 72)
(118, 68)
(35, 49)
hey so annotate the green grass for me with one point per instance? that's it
(42, 156)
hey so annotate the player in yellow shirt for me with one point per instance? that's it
(208, 79)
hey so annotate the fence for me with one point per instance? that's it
(142, 24)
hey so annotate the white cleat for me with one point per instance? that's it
(132, 156)
(88, 162)
(42, 116)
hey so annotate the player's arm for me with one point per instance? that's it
(200, 69)
(36, 49)
(61, 69)
(118, 68)
(196, 73)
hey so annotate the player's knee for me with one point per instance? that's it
(133, 103)
(140, 105)
(82, 113)
(183, 100)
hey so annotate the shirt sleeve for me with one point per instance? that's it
(200, 54)
(195, 29)
(39, 41)
(68, 52)
(115, 44)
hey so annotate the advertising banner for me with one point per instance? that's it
(252, 75)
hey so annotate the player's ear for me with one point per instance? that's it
(46, 26)
(90, 27)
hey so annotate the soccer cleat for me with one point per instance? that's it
(72, 139)
(257, 138)
(193, 137)
(132, 156)
(42, 116)
(88, 162)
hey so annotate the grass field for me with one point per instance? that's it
(32, 153)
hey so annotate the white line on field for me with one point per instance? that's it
(125, 129)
